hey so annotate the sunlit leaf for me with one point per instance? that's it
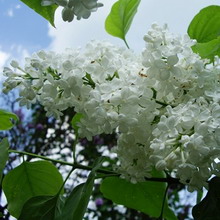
(46, 12)
(205, 26)
(208, 50)
(120, 18)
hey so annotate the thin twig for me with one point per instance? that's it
(75, 165)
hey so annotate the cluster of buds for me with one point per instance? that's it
(72, 8)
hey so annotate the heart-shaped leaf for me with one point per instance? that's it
(205, 26)
(120, 18)
(28, 180)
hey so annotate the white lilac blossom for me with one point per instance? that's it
(164, 103)
(71, 8)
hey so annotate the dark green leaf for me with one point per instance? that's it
(4, 146)
(205, 26)
(41, 207)
(6, 119)
(120, 18)
(28, 180)
(146, 197)
(75, 120)
(46, 12)
(209, 207)
(1, 214)
(208, 50)
(77, 202)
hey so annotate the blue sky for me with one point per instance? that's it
(21, 26)
(24, 32)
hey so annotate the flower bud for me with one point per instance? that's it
(67, 14)
(71, 3)
(14, 64)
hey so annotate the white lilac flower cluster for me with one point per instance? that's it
(164, 104)
(71, 8)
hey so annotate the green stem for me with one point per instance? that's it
(126, 43)
(41, 157)
(168, 180)
(79, 166)
(75, 165)
(163, 204)
(22, 70)
(65, 180)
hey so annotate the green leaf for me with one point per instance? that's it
(28, 180)
(205, 26)
(41, 207)
(120, 18)
(46, 12)
(76, 204)
(4, 146)
(146, 197)
(208, 50)
(75, 120)
(209, 207)
(6, 119)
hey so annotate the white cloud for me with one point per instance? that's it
(177, 14)
(78, 33)
(18, 6)
(10, 12)
(19, 51)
